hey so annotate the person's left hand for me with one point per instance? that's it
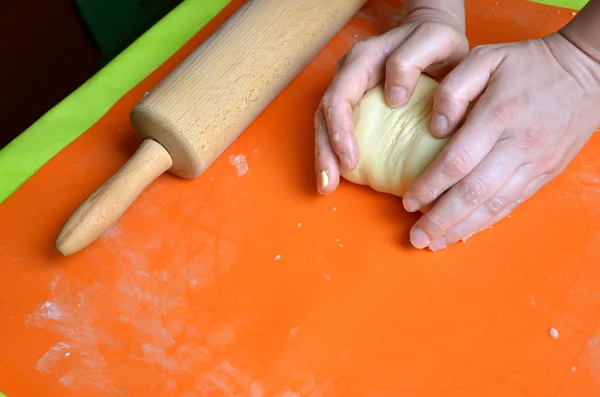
(535, 105)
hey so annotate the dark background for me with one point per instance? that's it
(48, 48)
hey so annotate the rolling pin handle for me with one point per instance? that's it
(104, 207)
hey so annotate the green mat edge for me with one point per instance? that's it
(570, 4)
(79, 111)
(65, 122)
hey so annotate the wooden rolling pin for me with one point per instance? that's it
(196, 112)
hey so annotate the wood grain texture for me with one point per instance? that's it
(103, 207)
(205, 104)
(199, 109)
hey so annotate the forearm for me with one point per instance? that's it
(454, 10)
(584, 30)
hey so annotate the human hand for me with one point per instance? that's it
(535, 105)
(430, 40)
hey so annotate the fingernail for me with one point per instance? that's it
(439, 124)
(323, 181)
(345, 160)
(419, 239)
(410, 204)
(437, 244)
(398, 95)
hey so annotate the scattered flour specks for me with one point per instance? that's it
(240, 163)
(590, 359)
(50, 311)
(52, 357)
(256, 390)
(277, 257)
(586, 183)
(173, 341)
(293, 332)
(74, 323)
(221, 336)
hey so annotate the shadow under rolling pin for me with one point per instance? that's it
(196, 112)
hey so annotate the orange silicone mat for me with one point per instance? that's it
(245, 282)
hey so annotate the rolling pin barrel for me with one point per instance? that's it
(201, 107)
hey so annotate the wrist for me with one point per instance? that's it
(450, 12)
(583, 68)
(584, 30)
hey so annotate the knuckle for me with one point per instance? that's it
(425, 195)
(549, 175)
(396, 63)
(554, 164)
(480, 51)
(552, 170)
(328, 98)
(497, 204)
(455, 233)
(433, 225)
(456, 163)
(546, 176)
(472, 191)
(360, 48)
(505, 110)
(448, 100)
(450, 36)
(531, 138)
(446, 90)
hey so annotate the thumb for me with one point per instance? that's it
(427, 46)
(457, 93)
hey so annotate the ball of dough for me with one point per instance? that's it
(395, 145)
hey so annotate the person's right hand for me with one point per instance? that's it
(429, 41)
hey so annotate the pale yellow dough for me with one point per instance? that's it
(395, 145)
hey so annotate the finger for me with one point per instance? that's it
(428, 45)
(326, 161)
(461, 87)
(361, 69)
(496, 205)
(463, 152)
(499, 206)
(467, 195)
(504, 201)
(531, 190)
